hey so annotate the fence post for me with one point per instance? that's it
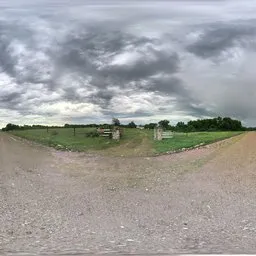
(116, 134)
(158, 133)
(74, 131)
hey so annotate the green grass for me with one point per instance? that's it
(135, 142)
(188, 140)
(65, 139)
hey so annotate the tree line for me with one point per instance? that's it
(115, 122)
(214, 124)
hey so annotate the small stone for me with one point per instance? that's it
(122, 227)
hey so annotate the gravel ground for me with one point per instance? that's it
(200, 201)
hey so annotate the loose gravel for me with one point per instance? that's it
(199, 201)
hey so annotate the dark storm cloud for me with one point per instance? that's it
(84, 53)
(219, 37)
(28, 71)
(102, 98)
(7, 63)
(137, 59)
(71, 94)
(197, 111)
(168, 85)
(162, 61)
(10, 98)
(84, 56)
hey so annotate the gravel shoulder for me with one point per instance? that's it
(200, 201)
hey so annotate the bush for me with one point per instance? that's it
(54, 133)
(11, 127)
(92, 134)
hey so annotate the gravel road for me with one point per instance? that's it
(200, 201)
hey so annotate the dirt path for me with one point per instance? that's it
(197, 201)
(141, 145)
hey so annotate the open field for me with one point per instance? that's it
(135, 142)
(187, 140)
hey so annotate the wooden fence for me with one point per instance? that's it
(114, 134)
(160, 134)
(104, 132)
(167, 135)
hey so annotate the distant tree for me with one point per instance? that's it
(131, 125)
(115, 122)
(181, 127)
(150, 126)
(164, 124)
(11, 127)
(214, 124)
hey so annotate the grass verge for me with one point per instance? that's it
(189, 140)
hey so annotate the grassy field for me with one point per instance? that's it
(135, 142)
(188, 140)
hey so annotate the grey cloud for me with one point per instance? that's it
(10, 98)
(80, 55)
(6, 61)
(102, 98)
(164, 62)
(10, 36)
(73, 49)
(197, 111)
(135, 114)
(71, 94)
(175, 87)
(218, 37)
(168, 85)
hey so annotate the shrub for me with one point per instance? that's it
(54, 133)
(92, 134)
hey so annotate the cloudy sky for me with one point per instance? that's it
(84, 61)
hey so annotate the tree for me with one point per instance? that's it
(164, 124)
(132, 125)
(115, 121)
(150, 126)
(11, 127)
(215, 124)
(181, 127)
